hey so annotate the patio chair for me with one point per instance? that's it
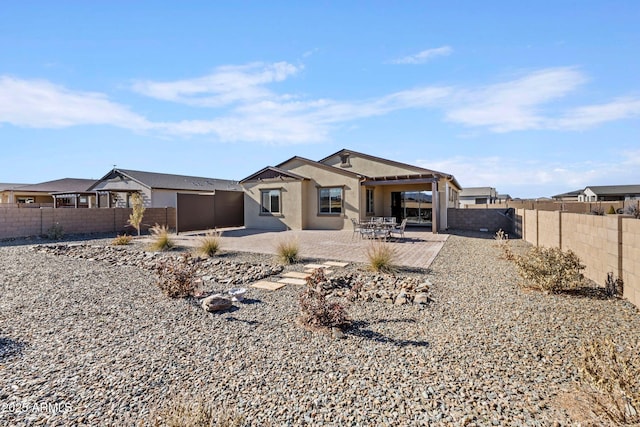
(399, 230)
(357, 227)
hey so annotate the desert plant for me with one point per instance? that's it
(597, 210)
(611, 210)
(316, 310)
(633, 209)
(288, 251)
(209, 244)
(610, 380)
(502, 239)
(121, 240)
(381, 257)
(55, 232)
(550, 269)
(176, 276)
(184, 412)
(613, 286)
(135, 218)
(161, 240)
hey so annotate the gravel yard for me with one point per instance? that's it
(89, 341)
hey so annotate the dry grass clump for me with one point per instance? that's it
(176, 276)
(316, 311)
(121, 240)
(502, 240)
(550, 269)
(381, 258)
(55, 232)
(288, 251)
(161, 239)
(181, 412)
(209, 245)
(609, 390)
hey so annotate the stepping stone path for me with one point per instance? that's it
(297, 278)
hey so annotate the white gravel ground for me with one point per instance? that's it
(90, 342)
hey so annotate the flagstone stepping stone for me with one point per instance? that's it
(292, 281)
(326, 271)
(336, 264)
(270, 286)
(314, 266)
(296, 275)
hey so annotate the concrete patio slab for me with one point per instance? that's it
(292, 281)
(270, 286)
(297, 275)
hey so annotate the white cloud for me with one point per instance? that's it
(227, 85)
(41, 104)
(424, 56)
(514, 105)
(586, 117)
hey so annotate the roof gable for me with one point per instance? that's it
(271, 172)
(320, 165)
(154, 180)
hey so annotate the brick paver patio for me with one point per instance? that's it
(418, 249)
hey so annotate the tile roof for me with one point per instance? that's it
(176, 182)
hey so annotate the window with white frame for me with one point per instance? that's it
(330, 200)
(270, 201)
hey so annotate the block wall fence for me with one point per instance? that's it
(609, 243)
(15, 222)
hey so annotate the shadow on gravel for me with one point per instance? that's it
(9, 347)
(235, 319)
(587, 292)
(359, 329)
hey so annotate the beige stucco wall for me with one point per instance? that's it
(292, 193)
(631, 259)
(550, 223)
(368, 166)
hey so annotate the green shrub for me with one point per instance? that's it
(611, 210)
(288, 251)
(209, 245)
(316, 311)
(381, 257)
(550, 269)
(176, 276)
(610, 379)
(181, 412)
(161, 239)
(121, 240)
(55, 232)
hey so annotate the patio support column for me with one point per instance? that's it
(435, 207)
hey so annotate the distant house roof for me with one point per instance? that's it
(6, 186)
(167, 181)
(574, 193)
(477, 191)
(58, 186)
(614, 189)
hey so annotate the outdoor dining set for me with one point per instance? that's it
(379, 228)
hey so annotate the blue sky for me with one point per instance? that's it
(533, 98)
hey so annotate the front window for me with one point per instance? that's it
(330, 200)
(270, 202)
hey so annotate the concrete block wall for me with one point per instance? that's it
(609, 243)
(15, 222)
(476, 219)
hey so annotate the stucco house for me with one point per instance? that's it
(158, 190)
(305, 194)
(65, 192)
(610, 193)
(478, 196)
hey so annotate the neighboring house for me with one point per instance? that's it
(503, 198)
(304, 194)
(610, 193)
(571, 196)
(6, 191)
(158, 190)
(478, 196)
(66, 192)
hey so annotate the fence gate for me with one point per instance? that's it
(206, 211)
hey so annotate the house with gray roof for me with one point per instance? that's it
(610, 193)
(158, 190)
(46, 193)
(478, 196)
